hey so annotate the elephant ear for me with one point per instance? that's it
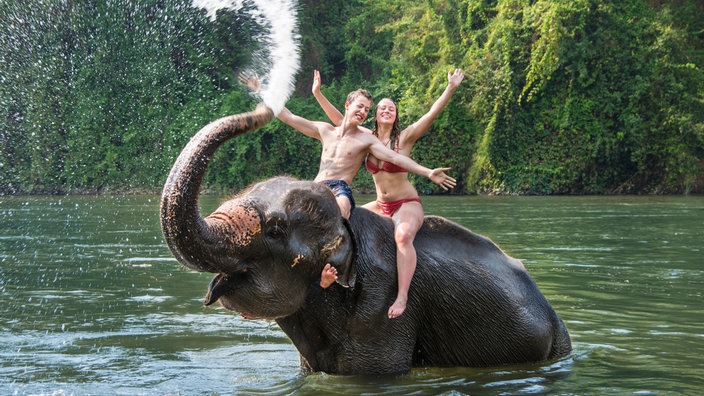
(343, 260)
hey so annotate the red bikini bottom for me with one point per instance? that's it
(389, 208)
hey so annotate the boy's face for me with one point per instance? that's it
(357, 110)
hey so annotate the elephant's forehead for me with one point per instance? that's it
(275, 186)
(278, 188)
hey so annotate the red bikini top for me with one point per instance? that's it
(385, 167)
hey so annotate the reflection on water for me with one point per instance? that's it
(93, 303)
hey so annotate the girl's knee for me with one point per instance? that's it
(403, 234)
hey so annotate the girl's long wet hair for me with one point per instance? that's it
(395, 129)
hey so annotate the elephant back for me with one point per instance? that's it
(485, 289)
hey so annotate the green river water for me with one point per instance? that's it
(93, 303)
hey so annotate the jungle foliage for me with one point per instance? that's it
(560, 97)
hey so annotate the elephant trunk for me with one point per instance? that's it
(187, 234)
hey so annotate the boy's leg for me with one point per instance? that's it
(345, 205)
(343, 196)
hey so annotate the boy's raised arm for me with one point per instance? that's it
(306, 127)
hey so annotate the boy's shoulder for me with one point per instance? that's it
(324, 127)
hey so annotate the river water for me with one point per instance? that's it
(93, 303)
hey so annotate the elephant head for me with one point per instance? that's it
(268, 245)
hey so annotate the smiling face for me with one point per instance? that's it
(386, 125)
(357, 106)
(386, 112)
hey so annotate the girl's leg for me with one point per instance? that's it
(373, 207)
(407, 221)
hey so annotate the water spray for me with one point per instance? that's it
(282, 40)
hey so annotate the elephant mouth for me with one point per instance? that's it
(218, 287)
(223, 285)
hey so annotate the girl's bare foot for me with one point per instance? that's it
(397, 308)
(328, 277)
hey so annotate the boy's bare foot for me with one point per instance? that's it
(328, 277)
(397, 308)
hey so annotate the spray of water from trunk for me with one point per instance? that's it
(278, 69)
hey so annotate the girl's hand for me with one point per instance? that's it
(439, 177)
(316, 82)
(454, 79)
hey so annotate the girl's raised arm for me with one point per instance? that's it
(420, 127)
(333, 114)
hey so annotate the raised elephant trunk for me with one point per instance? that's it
(188, 235)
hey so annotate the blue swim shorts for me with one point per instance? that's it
(340, 187)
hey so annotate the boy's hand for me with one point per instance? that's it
(250, 81)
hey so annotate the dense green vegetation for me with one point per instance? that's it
(560, 97)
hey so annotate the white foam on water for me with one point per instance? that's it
(277, 73)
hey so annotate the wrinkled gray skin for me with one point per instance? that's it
(469, 304)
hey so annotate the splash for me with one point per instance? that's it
(277, 72)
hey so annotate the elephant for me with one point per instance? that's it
(470, 304)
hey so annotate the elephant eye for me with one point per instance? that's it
(275, 226)
(275, 232)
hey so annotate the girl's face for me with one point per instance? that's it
(386, 112)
